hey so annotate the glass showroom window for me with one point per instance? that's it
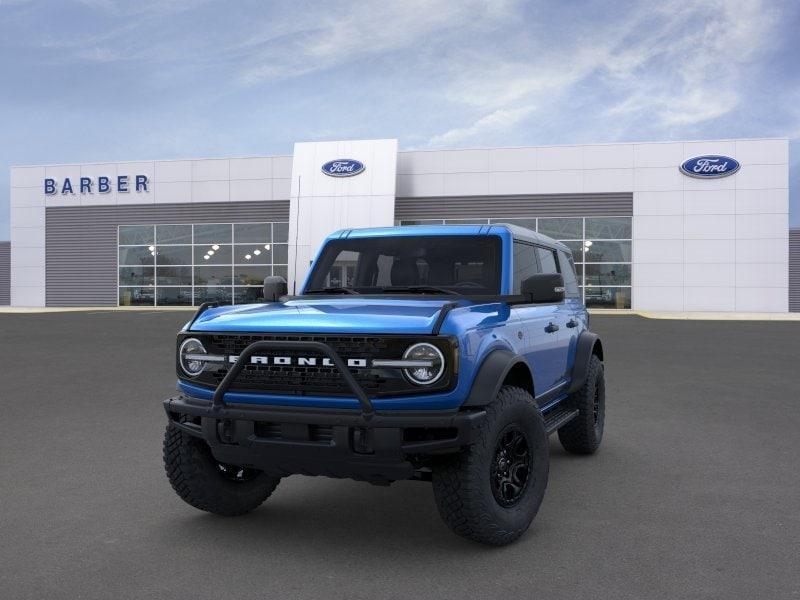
(185, 264)
(607, 262)
(601, 247)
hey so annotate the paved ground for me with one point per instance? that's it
(695, 493)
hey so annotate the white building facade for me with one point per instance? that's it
(645, 234)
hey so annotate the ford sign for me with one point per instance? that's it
(343, 167)
(709, 167)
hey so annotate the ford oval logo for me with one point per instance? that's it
(710, 166)
(343, 167)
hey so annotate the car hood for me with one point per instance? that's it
(345, 315)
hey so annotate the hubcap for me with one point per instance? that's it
(510, 466)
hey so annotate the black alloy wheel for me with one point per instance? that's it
(511, 466)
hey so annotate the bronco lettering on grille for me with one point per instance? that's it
(301, 361)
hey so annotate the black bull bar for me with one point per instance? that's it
(218, 402)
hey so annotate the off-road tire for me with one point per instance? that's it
(200, 481)
(584, 433)
(462, 484)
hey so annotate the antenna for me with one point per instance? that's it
(296, 237)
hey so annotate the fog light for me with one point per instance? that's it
(428, 374)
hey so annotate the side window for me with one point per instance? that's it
(525, 264)
(547, 258)
(568, 270)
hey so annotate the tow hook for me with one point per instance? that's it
(225, 431)
(363, 440)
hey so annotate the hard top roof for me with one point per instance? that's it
(517, 232)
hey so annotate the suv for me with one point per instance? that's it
(445, 354)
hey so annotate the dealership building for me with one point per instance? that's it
(665, 226)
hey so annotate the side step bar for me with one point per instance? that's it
(558, 417)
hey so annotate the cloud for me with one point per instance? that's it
(299, 44)
(124, 8)
(673, 64)
(194, 77)
(497, 121)
(688, 74)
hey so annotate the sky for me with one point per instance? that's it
(101, 80)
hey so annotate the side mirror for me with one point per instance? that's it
(274, 288)
(544, 288)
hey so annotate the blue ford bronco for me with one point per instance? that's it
(445, 354)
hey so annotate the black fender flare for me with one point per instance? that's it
(491, 375)
(588, 343)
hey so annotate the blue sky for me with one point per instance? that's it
(104, 80)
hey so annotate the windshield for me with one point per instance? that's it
(443, 264)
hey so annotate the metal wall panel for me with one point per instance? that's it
(794, 270)
(82, 241)
(499, 207)
(5, 273)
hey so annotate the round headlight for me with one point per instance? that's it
(428, 374)
(192, 367)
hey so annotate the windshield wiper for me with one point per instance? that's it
(419, 289)
(332, 290)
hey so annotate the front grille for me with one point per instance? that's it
(321, 380)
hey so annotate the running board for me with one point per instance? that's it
(558, 417)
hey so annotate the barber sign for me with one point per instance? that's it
(710, 166)
(343, 167)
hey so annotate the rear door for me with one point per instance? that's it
(575, 312)
(560, 314)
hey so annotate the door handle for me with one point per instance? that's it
(551, 327)
(572, 323)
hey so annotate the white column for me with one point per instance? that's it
(321, 204)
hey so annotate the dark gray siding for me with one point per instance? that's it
(794, 270)
(508, 207)
(82, 242)
(5, 273)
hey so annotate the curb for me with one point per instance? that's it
(697, 316)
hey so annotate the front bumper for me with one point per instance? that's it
(378, 447)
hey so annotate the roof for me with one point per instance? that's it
(517, 232)
(529, 235)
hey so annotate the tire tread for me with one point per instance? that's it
(579, 435)
(188, 463)
(460, 493)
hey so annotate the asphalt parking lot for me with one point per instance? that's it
(694, 494)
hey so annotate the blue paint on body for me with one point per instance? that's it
(479, 328)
